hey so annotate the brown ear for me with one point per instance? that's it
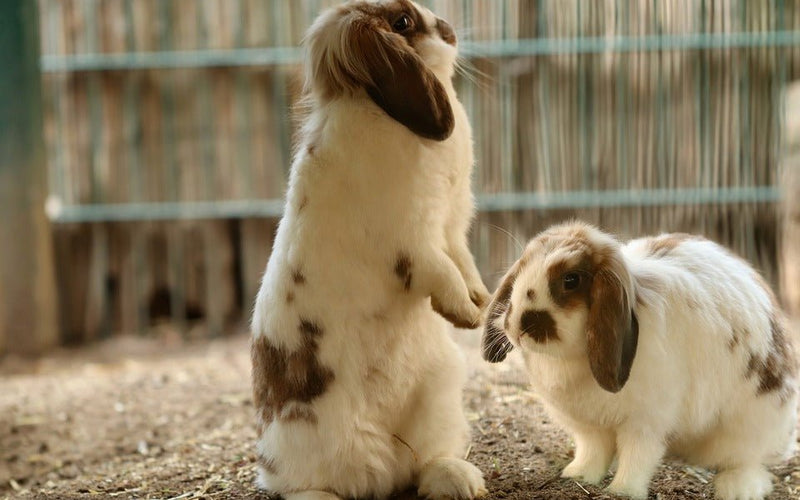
(401, 84)
(495, 345)
(612, 327)
(354, 49)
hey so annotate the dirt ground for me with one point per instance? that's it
(161, 418)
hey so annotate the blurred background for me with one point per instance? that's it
(157, 142)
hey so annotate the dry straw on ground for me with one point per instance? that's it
(159, 420)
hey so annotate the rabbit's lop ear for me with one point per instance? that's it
(612, 327)
(495, 346)
(400, 83)
(359, 49)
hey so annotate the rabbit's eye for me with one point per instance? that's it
(571, 281)
(403, 24)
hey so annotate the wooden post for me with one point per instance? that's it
(790, 183)
(28, 312)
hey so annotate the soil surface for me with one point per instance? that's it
(163, 418)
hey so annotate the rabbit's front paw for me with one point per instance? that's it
(479, 295)
(465, 315)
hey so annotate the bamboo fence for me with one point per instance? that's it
(575, 105)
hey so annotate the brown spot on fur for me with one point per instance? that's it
(310, 328)
(734, 340)
(303, 202)
(538, 325)
(402, 269)
(661, 246)
(298, 277)
(779, 363)
(777, 366)
(752, 365)
(281, 376)
(531, 294)
(298, 413)
(289, 297)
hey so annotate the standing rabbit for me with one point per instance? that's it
(357, 383)
(665, 344)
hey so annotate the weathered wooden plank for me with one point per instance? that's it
(28, 303)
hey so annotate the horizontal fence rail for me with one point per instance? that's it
(485, 202)
(268, 56)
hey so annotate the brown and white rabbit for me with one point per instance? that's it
(357, 382)
(665, 344)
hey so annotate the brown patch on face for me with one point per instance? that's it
(531, 294)
(298, 277)
(281, 377)
(388, 17)
(538, 325)
(446, 31)
(570, 299)
(661, 246)
(393, 12)
(402, 269)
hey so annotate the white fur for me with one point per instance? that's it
(363, 188)
(688, 392)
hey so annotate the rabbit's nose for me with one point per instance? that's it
(538, 325)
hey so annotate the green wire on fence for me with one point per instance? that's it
(269, 56)
(498, 202)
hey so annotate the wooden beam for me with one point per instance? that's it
(28, 312)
